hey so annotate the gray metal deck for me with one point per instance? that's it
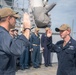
(39, 71)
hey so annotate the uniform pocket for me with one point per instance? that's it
(70, 54)
(68, 51)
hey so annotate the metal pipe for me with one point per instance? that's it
(49, 7)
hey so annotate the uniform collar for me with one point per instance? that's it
(70, 41)
(4, 29)
(68, 44)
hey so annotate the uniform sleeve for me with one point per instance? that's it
(52, 47)
(14, 46)
(49, 40)
(31, 41)
(42, 40)
(55, 47)
(75, 56)
(31, 38)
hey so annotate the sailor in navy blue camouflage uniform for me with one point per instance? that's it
(35, 41)
(9, 47)
(66, 51)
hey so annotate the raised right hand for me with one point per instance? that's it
(49, 33)
(26, 21)
(26, 25)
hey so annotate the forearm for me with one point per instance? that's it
(17, 46)
(27, 33)
(52, 47)
(26, 25)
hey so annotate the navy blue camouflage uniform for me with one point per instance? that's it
(24, 59)
(9, 48)
(66, 57)
(46, 52)
(35, 41)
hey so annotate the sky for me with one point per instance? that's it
(63, 13)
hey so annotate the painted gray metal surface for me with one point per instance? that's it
(40, 10)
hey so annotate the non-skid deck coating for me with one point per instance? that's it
(39, 71)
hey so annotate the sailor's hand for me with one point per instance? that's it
(49, 33)
(26, 25)
(26, 21)
(42, 48)
(31, 49)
